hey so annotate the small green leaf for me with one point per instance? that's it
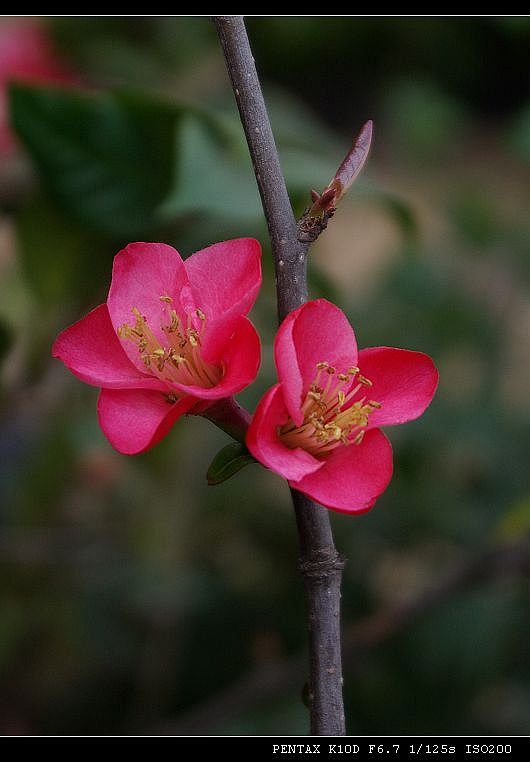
(228, 462)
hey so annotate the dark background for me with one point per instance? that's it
(135, 598)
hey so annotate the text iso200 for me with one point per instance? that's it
(488, 748)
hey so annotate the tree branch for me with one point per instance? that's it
(228, 415)
(320, 563)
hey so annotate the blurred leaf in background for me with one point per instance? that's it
(106, 159)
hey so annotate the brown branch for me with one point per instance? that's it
(271, 680)
(320, 563)
(290, 256)
(228, 415)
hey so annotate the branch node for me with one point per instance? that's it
(324, 563)
(310, 227)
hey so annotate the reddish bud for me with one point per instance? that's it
(355, 159)
(326, 202)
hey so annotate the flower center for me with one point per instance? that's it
(180, 360)
(332, 415)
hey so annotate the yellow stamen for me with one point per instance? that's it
(174, 324)
(177, 359)
(332, 414)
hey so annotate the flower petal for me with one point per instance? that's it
(241, 360)
(91, 349)
(226, 278)
(318, 331)
(141, 274)
(133, 420)
(227, 275)
(404, 382)
(265, 445)
(352, 477)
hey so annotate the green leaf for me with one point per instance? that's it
(127, 166)
(213, 173)
(228, 462)
(107, 158)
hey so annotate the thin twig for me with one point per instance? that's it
(228, 415)
(269, 681)
(320, 563)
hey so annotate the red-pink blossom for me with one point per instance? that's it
(319, 426)
(171, 339)
(26, 54)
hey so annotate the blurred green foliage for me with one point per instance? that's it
(131, 592)
(106, 159)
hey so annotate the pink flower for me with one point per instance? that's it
(319, 426)
(171, 339)
(26, 54)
